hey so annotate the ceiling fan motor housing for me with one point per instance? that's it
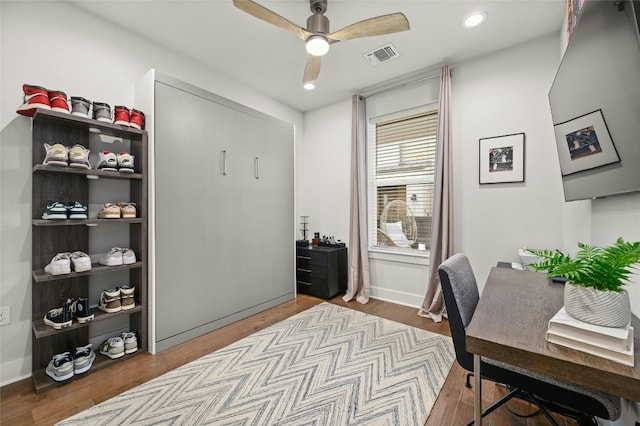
(318, 23)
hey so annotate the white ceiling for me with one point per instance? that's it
(272, 60)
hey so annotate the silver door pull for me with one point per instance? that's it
(224, 162)
(256, 171)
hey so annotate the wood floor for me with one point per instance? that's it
(19, 405)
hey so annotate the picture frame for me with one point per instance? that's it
(501, 159)
(584, 143)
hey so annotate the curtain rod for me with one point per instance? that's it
(406, 80)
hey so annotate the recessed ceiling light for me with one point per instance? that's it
(475, 19)
(309, 85)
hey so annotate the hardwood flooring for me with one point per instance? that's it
(19, 405)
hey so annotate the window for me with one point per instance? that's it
(401, 167)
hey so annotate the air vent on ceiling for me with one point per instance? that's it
(382, 54)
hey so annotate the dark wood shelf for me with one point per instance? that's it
(90, 173)
(41, 330)
(88, 123)
(42, 382)
(50, 236)
(40, 275)
(89, 222)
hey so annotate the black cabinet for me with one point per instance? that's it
(321, 271)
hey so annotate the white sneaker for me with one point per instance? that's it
(113, 347)
(130, 342)
(113, 257)
(125, 162)
(128, 256)
(107, 161)
(81, 261)
(60, 264)
(79, 157)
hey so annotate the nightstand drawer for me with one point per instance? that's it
(309, 272)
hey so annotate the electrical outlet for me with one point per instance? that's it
(5, 315)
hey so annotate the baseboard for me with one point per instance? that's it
(401, 298)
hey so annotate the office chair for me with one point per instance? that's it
(461, 297)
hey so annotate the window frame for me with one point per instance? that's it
(372, 210)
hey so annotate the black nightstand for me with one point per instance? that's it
(321, 271)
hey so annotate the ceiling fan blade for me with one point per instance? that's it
(312, 70)
(385, 24)
(261, 12)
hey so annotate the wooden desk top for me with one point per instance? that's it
(510, 323)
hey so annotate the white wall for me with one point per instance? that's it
(56, 45)
(323, 170)
(495, 95)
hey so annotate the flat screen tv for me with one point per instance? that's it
(595, 102)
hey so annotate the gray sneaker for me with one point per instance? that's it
(83, 358)
(113, 347)
(60, 367)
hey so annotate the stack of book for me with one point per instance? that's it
(612, 343)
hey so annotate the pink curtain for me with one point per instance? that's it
(442, 226)
(359, 285)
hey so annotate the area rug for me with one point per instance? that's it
(328, 365)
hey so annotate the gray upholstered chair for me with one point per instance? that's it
(461, 297)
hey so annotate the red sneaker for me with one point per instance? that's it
(34, 97)
(136, 119)
(58, 101)
(121, 115)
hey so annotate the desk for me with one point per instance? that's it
(510, 323)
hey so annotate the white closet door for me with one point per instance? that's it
(224, 239)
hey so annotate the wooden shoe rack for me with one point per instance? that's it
(92, 236)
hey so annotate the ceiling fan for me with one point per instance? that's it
(317, 36)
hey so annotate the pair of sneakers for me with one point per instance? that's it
(62, 262)
(117, 299)
(118, 210)
(62, 317)
(118, 256)
(38, 97)
(65, 365)
(59, 155)
(119, 346)
(109, 161)
(65, 210)
(128, 117)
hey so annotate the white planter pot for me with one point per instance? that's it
(607, 308)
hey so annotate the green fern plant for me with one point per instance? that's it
(603, 268)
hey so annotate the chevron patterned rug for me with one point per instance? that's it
(328, 365)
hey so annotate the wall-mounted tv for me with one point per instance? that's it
(595, 102)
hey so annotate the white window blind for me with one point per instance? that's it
(401, 171)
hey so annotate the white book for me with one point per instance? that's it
(622, 356)
(606, 337)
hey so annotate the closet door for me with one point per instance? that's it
(224, 212)
(194, 277)
(268, 205)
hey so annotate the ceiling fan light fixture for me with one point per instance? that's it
(475, 19)
(309, 85)
(317, 45)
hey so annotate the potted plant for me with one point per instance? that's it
(596, 277)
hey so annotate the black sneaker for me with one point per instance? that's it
(80, 310)
(59, 318)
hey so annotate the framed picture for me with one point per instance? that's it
(584, 143)
(502, 159)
